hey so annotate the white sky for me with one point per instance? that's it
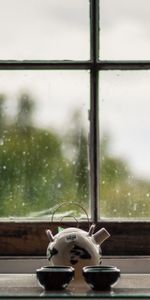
(55, 100)
(43, 29)
(125, 29)
(58, 29)
(125, 105)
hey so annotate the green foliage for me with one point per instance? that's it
(40, 169)
(122, 194)
(35, 172)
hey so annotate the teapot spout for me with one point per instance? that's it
(101, 235)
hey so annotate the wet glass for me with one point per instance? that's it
(49, 29)
(125, 144)
(124, 30)
(43, 141)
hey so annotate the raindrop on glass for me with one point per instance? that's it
(1, 142)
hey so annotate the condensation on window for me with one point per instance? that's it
(43, 141)
(124, 144)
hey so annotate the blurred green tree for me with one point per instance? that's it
(78, 144)
(35, 173)
(122, 194)
(2, 115)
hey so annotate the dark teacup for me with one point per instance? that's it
(55, 277)
(101, 277)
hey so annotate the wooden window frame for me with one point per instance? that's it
(28, 238)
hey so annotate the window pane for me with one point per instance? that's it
(125, 27)
(44, 29)
(125, 144)
(43, 141)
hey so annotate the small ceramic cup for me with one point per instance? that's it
(55, 277)
(101, 277)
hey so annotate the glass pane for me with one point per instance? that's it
(125, 29)
(43, 141)
(44, 29)
(125, 144)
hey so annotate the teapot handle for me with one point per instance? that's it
(70, 203)
(72, 217)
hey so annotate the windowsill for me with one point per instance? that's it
(126, 264)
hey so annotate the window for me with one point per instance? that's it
(59, 101)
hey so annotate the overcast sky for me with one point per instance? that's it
(125, 96)
(44, 29)
(125, 29)
(58, 29)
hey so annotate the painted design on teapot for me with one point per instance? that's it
(78, 253)
(51, 252)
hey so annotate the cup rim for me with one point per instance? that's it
(100, 269)
(55, 269)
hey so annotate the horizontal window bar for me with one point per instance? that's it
(123, 65)
(44, 65)
(76, 65)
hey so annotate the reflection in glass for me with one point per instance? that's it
(125, 144)
(49, 29)
(43, 141)
(124, 29)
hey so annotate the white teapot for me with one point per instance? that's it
(76, 247)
